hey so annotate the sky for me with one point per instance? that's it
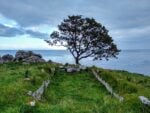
(25, 24)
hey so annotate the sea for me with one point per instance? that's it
(136, 61)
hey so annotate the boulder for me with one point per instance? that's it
(32, 103)
(28, 57)
(20, 55)
(33, 59)
(72, 69)
(1, 60)
(7, 58)
(81, 67)
(29, 93)
(144, 100)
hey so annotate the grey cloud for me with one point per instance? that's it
(114, 14)
(37, 34)
(6, 31)
(9, 32)
(123, 18)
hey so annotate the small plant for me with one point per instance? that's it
(47, 69)
(50, 61)
(26, 74)
(33, 80)
(66, 64)
(28, 109)
(129, 79)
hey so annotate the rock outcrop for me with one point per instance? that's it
(28, 57)
(33, 59)
(1, 60)
(7, 58)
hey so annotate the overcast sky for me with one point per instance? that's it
(25, 23)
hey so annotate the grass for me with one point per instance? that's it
(126, 83)
(70, 92)
(13, 87)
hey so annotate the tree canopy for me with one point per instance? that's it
(84, 37)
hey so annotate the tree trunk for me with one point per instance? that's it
(77, 61)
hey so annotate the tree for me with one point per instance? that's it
(84, 37)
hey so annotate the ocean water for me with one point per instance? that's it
(137, 61)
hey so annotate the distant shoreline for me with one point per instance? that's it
(136, 61)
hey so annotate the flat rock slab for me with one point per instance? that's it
(39, 92)
(144, 100)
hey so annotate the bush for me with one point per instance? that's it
(66, 64)
(26, 74)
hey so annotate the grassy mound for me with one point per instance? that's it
(70, 92)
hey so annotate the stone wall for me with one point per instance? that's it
(107, 86)
(144, 100)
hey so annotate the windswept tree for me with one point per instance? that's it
(84, 37)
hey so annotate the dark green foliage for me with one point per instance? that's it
(33, 80)
(26, 74)
(128, 79)
(28, 109)
(84, 37)
(50, 61)
(144, 108)
(66, 64)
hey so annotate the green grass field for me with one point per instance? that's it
(70, 92)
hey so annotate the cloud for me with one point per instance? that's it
(124, 19)
(6, 31)
(37, 34)
(118, 14)
(9, 32)
(25, 42)
(132, 32)
(115, 15)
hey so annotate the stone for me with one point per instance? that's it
(39, 92)
(27, 79)
(28, 57)
(52, 70)
(20, 55)
(29, 93)
(1, 60)
(82, 67)
(107, 86)
(61, 67)
(33, 59)
(32, 103)
(144, 100)
(7, 58)
(72, 69)
(42, 70)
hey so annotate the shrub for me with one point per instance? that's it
(26, 74)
